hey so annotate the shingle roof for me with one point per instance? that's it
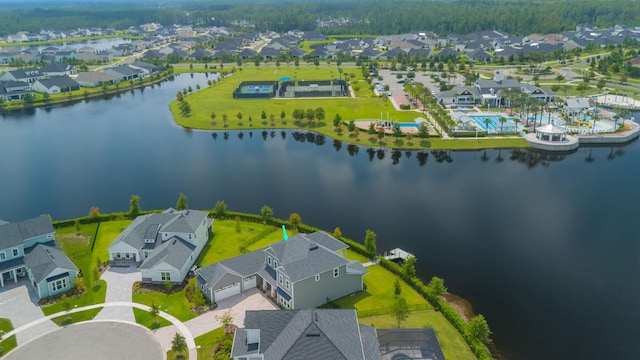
(56, 67)
(243, 265)
(91, 77)
(424, 340)
(14, 234)
(174, 252)
(307, 334)
(43, 259)
(61, 81)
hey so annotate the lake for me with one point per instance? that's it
(545, 247)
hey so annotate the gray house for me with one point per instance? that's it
(305, 334)
(29, 248)
(305, 271)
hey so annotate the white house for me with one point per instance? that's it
(163, 245)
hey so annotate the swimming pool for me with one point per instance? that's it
(494, 123)
(407, 125)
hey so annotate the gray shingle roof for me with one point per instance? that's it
(61, 81)
(43, 259)
(424, 340)
(175, 252)
(307, 334)
(243, 265)
(14, 234)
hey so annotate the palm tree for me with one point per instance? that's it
(486, 122)
(502, 121)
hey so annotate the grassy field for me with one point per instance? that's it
(145, 318)
(9, 343)
(175, 303)
(453, 345)
(76, 317)
(93, 295)
(218, 99)
(226, 240)
(379, 292)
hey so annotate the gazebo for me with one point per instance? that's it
(551, 133)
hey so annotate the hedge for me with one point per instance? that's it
(476, 346)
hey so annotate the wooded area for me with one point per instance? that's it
(378, 17)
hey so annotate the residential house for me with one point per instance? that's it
(28, 75)
(94, 79)
(147, 69)
(55, 85)
(163, 245)
(58, 69)
(305, 271)
(13, 90)
(28, 249)
(124, 72)
(318, 334)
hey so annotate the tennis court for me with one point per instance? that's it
(256, 89)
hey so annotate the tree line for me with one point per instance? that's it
(516, 17)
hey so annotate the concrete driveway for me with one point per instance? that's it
(249, 300)
(119, 288)
(19, 303)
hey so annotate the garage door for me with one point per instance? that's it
(225, 292)
(249, 282)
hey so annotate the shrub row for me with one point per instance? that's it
(99, 218)
(476, 346)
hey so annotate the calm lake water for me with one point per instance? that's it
(547, 249)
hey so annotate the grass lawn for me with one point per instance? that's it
(452, 343)
(226, 240)
(93, 295)
(76, 317)
(379, 292)
(145, 318)
(352, 255)
(77, 246)
(9, 343)
(175, 303)
(207, 342)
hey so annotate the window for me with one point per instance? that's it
(275, 264)
(15, 252)
(189, 236)
(280, 279)
(126, 256)
(58, 285)
(318, 277)
(287, 284)
(336, 272)
(165, 276)
(269, 260)
(49, 236)
(2, 255)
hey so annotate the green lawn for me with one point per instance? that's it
(9, 343)
(207, 342)
(77, 246)
(175, 303)
(352, 255)
(93, 295)
(452, 343)
(379, 292)
(76, 317)
(145, 318)
(226, 240)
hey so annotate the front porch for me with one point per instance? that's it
(12, 270)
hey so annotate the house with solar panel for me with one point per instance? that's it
(164, 245)
(28, 250)
(305, 271)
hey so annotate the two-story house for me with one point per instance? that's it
(28, 249)
(305, 271)
(163, 245)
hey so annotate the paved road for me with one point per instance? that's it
(117, 340)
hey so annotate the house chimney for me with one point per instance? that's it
(497, 77)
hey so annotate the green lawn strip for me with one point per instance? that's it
(108, 232)
(145, 318)
(352, 255)
(207, 342)
(77, 246)
(93, 295)
(172, 355)
(175, 304)
(452, 343)
(76, 317)
(9, 343)
(379, 293)
(227, 240)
